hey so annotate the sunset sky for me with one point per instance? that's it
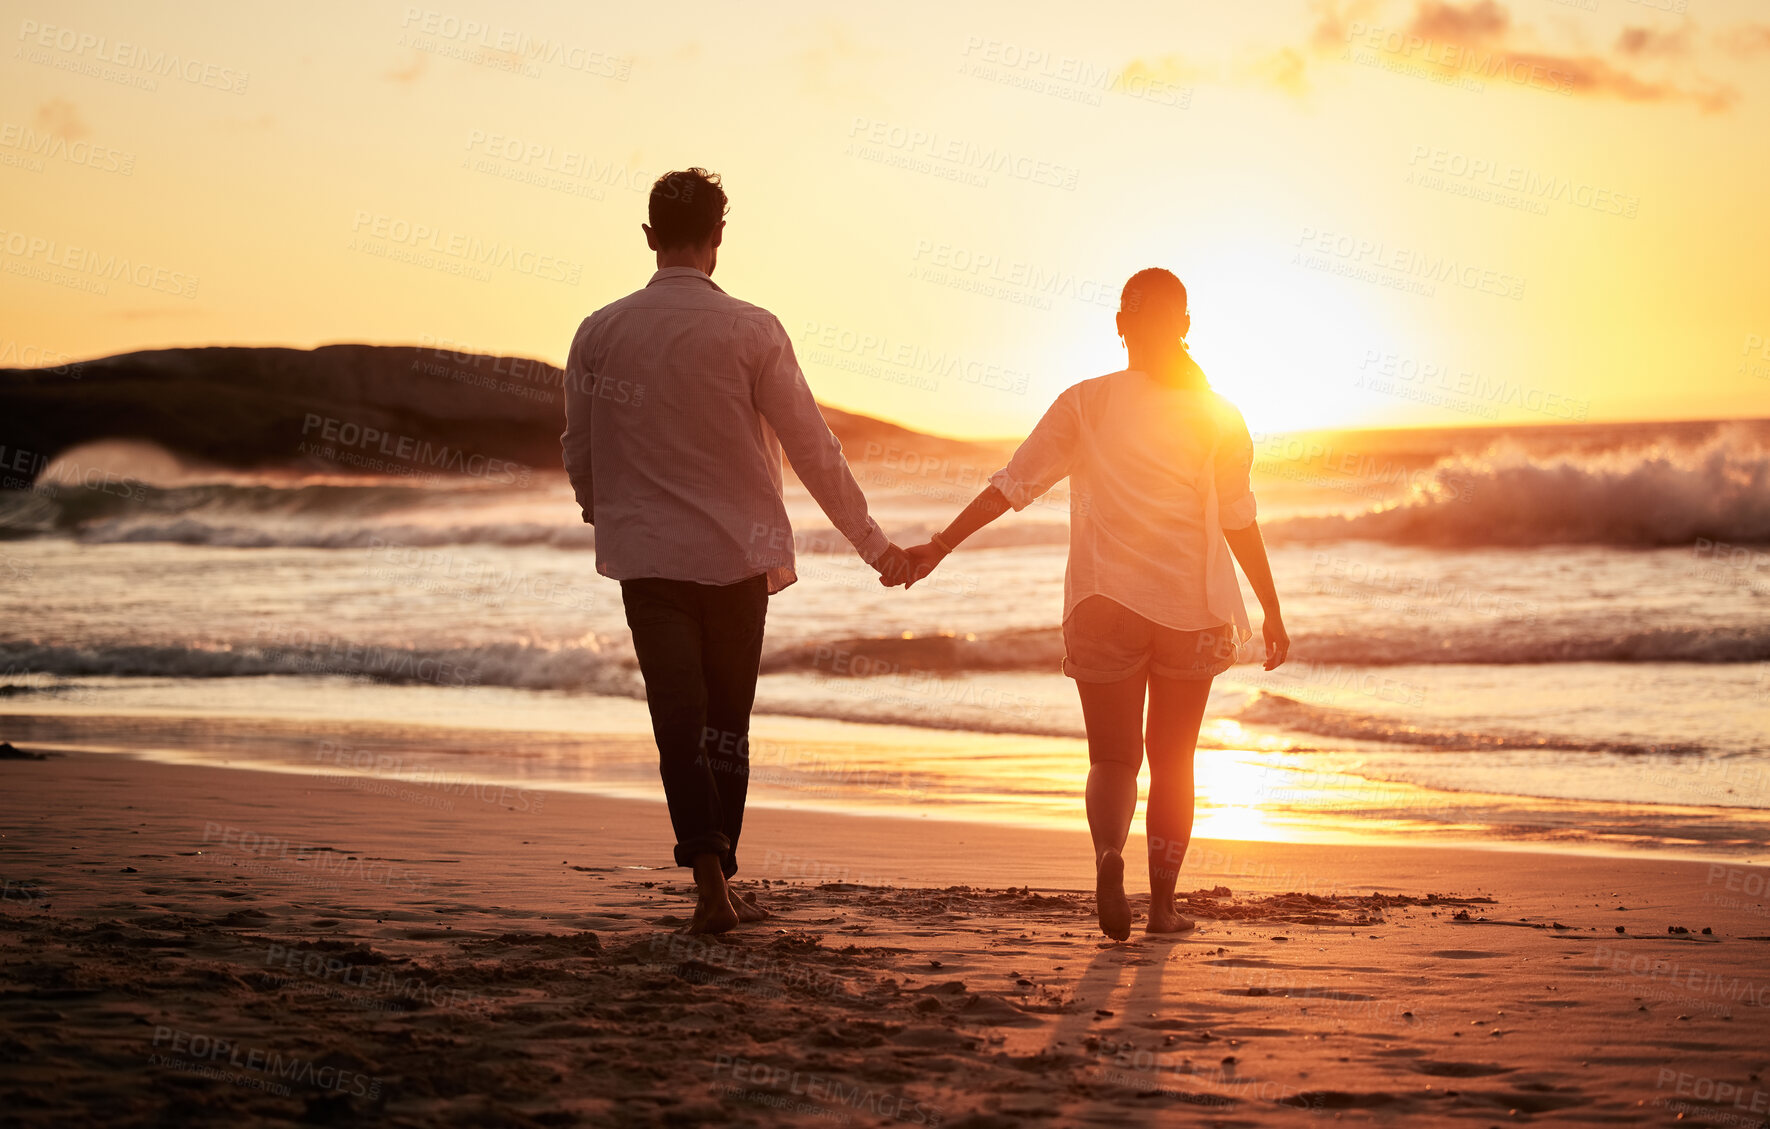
(1386, 213)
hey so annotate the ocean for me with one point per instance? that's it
(1549, 636)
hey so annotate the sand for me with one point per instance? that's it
(190, 945)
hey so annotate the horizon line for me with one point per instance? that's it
(1471, 426)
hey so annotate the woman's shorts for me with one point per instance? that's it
(1104, 641)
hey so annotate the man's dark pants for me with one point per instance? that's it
(699, 648)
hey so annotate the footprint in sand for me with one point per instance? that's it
(1464, 954)
(1460, 1069)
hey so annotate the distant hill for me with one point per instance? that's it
(338, 408)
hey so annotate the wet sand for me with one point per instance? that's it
(192, 945)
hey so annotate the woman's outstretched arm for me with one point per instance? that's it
(1039, 463)
(1250, 550)
(989, 505)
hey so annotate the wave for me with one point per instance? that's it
(310, 514)
(1510, 496)
(191, 531)
(56, 506)
(1486, 643)
(1719, 491)
(1037, 649)
(1525, 643)
(596, 668)
(1325, 721)
(517, 665)
(903, 697)
(505, 534)
(54, 671)
(915, 709)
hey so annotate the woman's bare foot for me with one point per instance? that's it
(1109, 896)
(1164, 918)
(747, 907)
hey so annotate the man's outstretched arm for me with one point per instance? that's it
(785, 401)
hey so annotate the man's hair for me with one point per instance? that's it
(1153, 287)
(686, 208)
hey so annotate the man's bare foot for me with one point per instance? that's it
(1109, 896)
(747, 907)
(717, 917)
(712, 911)
(1164, 918)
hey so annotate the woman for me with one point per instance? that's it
(1158, 468)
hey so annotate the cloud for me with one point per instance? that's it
(1169, 69)
(1596, 77)
(1646, 42)
(1285, 69)
(1747, 41)
(60, 117)
(1479, 23)
(1332, 24)
(412, 71)
(832, 61)
(1480, 39)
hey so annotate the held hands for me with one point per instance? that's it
(906, 566)
(923, 559)
(893, 566)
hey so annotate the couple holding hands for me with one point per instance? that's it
(685, 494)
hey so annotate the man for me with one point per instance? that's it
(679, 400)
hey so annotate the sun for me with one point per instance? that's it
(1285, 345)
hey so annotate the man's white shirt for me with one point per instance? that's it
(679, 400)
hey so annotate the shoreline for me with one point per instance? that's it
(897, 850)
(850, 769)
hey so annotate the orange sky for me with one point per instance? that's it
(1387, 213)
